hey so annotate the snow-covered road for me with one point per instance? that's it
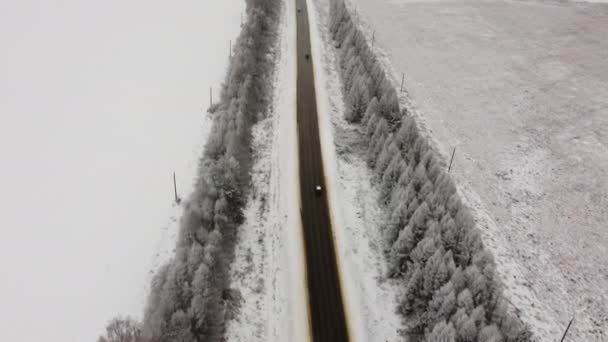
(99, 103)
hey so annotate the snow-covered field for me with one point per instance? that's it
(521, 90)
(99, 103)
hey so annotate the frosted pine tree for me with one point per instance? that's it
(442, 332)
(490, 333)
(358, 100)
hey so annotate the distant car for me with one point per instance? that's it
(318, 190)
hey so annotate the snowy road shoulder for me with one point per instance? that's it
(269, 268)
(370, 300)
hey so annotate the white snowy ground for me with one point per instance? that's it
(269, 270)
(370, 298)
(521, 89)
(99, 103)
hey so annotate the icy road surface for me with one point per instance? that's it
(521, 90)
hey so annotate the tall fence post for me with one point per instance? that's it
(566, 332)
(451, 160)
(177, 199)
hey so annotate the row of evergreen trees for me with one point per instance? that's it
(433, 247)
(187, 301)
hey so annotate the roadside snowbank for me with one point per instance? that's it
(370, 299)
(269, 269)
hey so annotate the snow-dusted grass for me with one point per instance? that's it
(99, 103)
(258, 269)
(370, 299)
(269, 267)
(520, 88)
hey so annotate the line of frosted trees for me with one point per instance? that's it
(432, 245)
(186, 302)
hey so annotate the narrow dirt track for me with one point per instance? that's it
(325, 299)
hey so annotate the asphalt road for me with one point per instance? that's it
(325, 300)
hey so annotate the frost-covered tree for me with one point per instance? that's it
(413, 300)
(490, 333)
(400, 251)
(477, 284)
(122, 330)
(377, 142)
(358, 99)
(442, 304)
(390, 177)
(387, 153)
(419, 220)
(389, 106)
(431, 270)
(185, 302)
(352, 72)
(465, 301)
(430, 235)
(404, 190)
(424, 250)
(442, 332)
(370, 111)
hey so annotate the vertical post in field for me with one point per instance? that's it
(568, 328)
(177, 199)
(451, 160)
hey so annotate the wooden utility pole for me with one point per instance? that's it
(566, 332)
(177, 199)
(402, 81)
(210, 96)
(230, 53)
(451, 160)
(373, 37)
